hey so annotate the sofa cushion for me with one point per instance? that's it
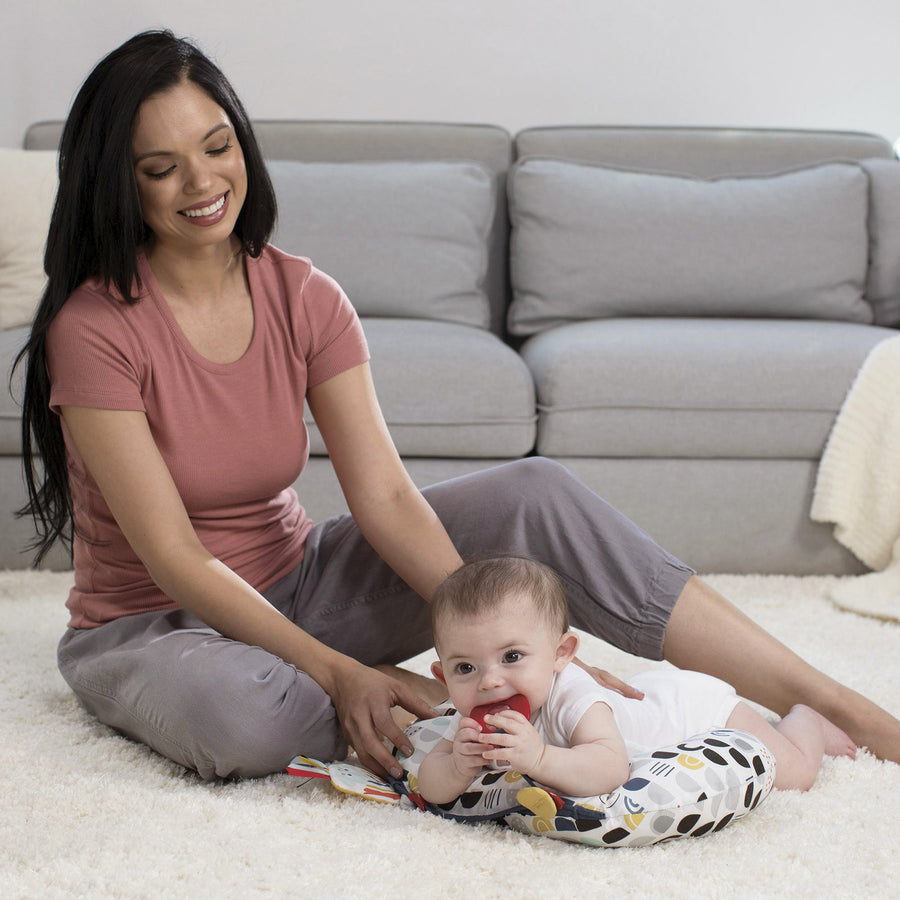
(448, 390)
(590, 242)
(28, 183)
(405, 239)
(694, 387)
(883, 285)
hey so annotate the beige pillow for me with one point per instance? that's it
(28, 182)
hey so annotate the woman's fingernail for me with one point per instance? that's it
(397, 772)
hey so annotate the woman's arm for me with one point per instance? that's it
(119, 451)
(390, 511)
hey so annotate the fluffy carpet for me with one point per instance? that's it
(86, 813)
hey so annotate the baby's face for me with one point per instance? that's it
(488, 658)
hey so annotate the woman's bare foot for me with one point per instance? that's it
(867, 724)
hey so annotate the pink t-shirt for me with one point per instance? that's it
(231, 434)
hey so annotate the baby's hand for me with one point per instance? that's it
(519, 744)
(468, 751)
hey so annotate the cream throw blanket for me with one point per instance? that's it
(858, 483)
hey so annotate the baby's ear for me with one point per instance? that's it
(565, 650)
(438, 671)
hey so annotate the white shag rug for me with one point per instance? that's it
(87, 813)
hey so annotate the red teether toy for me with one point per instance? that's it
(517, 703)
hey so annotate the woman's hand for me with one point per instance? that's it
(601, 676)
(363, 698)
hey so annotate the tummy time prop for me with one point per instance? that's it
(684, 790)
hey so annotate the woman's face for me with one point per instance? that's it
(189, 169)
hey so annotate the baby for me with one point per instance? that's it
(501, 629)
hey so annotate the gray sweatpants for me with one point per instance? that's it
(228, 709)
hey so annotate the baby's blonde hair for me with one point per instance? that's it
(482, 585)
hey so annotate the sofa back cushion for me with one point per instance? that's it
(883, 284)
(592, 241)
(360, 142)
(404, 239)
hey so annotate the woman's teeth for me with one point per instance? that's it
(206, 210)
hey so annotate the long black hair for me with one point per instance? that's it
(97, 228)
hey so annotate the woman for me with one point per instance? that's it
(167, 370)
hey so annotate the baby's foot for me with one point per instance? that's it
(837, 741)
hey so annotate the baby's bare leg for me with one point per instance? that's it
(797, 742)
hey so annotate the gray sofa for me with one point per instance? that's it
(675, 314)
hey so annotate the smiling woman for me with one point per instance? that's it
(171, 430)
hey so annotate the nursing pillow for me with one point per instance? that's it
(684, 790)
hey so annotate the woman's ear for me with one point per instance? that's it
(438, 671)
(565, 650)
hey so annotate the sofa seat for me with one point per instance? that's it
(693, 388)
(448, 390)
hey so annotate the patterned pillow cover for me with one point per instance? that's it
(687, 789)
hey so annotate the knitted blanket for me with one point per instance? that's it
(858, 483)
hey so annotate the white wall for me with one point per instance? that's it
(515, 63)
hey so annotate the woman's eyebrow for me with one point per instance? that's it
(205, 137)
